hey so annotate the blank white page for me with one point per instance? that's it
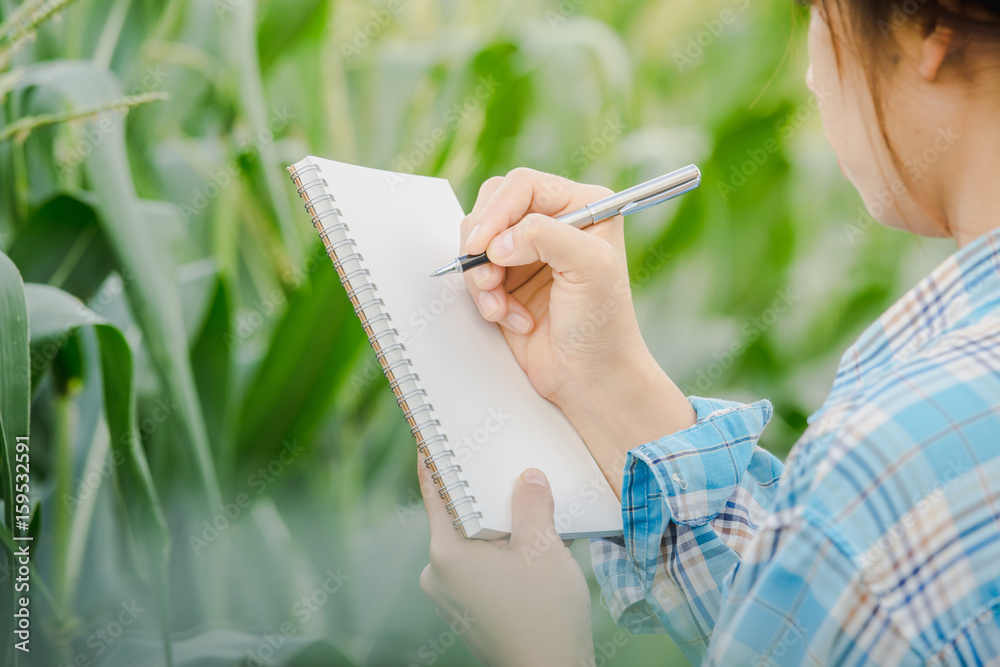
(405, 227)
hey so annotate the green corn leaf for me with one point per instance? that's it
(317, 315)
(62, 245)
(55, 314)
(15, 372)
(148, 283)
(15, 392)
(240, 38)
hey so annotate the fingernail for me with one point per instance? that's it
(481, 274)
(473, 236)
(488, 302)
(535, 476)
(517, 322)
(503, 246)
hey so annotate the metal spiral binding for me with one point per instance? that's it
(454, 485)
(403, 378)
(339, 227)
(311, 183)
(425, 424)
(441, 472)
(361, 306)
(386, 350)
(353, 292)
(403, 398)
(399, 372)
(350, 257)
(415, 411)
(425, 445)
(444, 453)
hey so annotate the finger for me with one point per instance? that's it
(579, 256)
(532, 508)
(522, 191)
(486, 191)
(496, 305)
(442, 528)
(487, 276)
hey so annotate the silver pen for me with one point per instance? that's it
(633, 200)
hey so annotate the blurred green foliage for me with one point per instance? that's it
(216, 458)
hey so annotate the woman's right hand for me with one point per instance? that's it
(563, 299)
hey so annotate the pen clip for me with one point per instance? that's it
(660, 197)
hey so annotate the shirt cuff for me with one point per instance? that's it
(688, 476)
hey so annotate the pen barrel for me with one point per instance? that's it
(580, 218)
(472, 261)
(655, 191)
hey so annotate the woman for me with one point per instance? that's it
(878, 542)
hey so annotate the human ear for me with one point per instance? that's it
(933, 50)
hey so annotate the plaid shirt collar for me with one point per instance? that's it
(964, 283)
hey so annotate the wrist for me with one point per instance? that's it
(635, 404)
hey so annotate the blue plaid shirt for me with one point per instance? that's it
(877, 543)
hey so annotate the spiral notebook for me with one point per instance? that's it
(477, 421)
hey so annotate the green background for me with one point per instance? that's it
(217, 374)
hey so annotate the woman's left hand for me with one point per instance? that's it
(517, 602)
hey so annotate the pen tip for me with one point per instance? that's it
(451, 268)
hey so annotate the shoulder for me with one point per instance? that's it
(905, 484)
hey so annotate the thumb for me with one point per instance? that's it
(532, 509)
(580, 256)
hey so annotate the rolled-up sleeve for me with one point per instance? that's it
(690, 502)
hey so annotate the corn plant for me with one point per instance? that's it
(219, 474)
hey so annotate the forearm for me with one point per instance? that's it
(636, 405)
